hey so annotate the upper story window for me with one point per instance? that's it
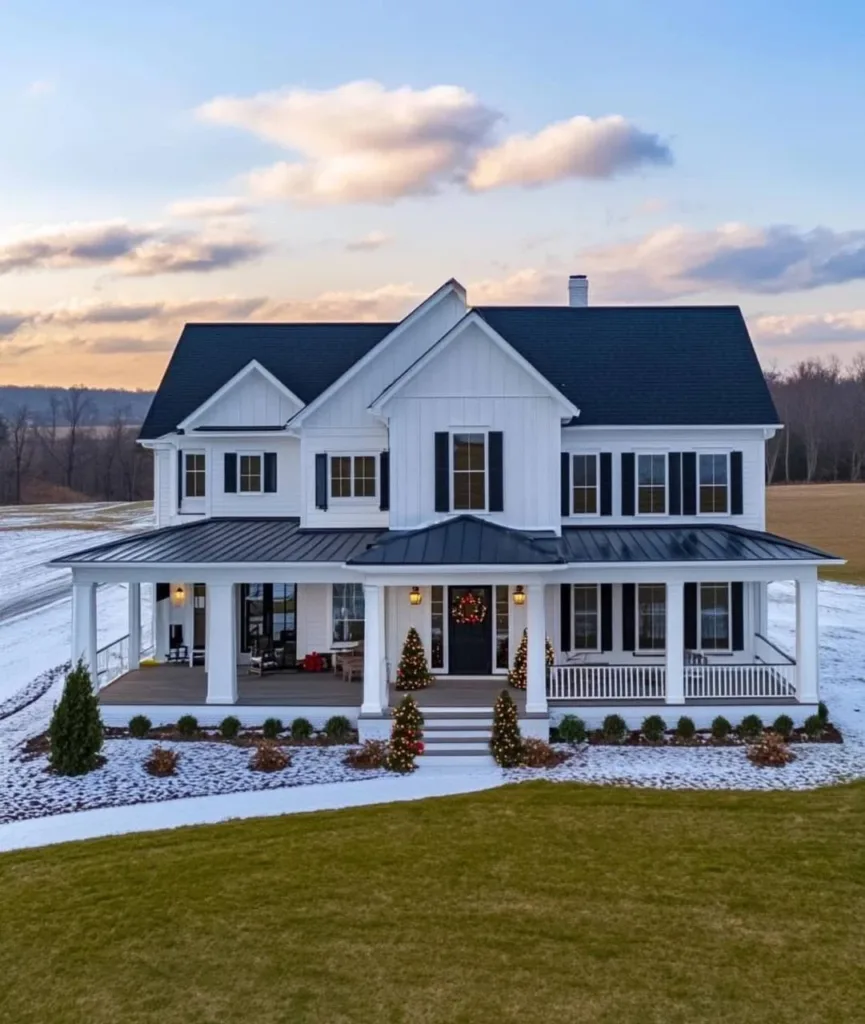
(714, 489)
(249, 474)
(714, 616)
(352, 476)
(651, 617)
(586, 606)
(469, 472)
(584, 485)
(652, 485)
(194, 474)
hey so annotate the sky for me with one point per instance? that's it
(170, 162)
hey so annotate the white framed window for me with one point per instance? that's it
(347, 612)
(584, 485)
(353, 476)
(713, 616)
(586, 614)
(469, 478)
(651, 472)
(194, 474)
(651, 616)
(713, 482)
(250, 472)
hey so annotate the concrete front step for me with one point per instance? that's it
(447, 760)
(443, 732)
(463, 749)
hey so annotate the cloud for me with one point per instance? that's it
(362, 143)
(370, 241)
(582, 147)
(38, 88)
(809, 328)
(130, 250)
(212, 206)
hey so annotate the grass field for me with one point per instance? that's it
(830, 516)
(636, 906)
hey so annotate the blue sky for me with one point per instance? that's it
(743, 114)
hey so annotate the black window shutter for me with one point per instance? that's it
(736, 496)
(606, 616)
(179, 479)
(691, 639)
(270, 472)
(321, 480)
(162, 591)
(628, 485)
(230, 463)
(384, 481)
(675, 483)
(738, 613)
(565, 616)
(629, 616)
(689, 483)
(606, 483)
(495, 441)
(566, 485)
(442, 470)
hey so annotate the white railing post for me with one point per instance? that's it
(675, 661)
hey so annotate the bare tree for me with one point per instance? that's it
(20, 443)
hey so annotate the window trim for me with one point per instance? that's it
(246, 455)
(453, 470)
(715, 650)
(587, 650)
(353, 498)
(637, 456)
(709, 451)
(186, 452)
(648, 650)
(597, 457)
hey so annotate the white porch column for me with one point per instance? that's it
(807, 647)
(675, 643)
(134, 593)
(84, 626)
(373, 650)
(221, 644)
(382, 646)
(536, 665)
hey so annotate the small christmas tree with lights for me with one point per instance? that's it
(406, 737)
(413, 672)
(517, 675)
(506, 743)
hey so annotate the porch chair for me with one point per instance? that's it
(262, 658)
(352, 664)
(178, 652)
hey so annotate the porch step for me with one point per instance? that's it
(456, 733)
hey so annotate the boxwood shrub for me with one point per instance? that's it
(139, 726)
(187, 725)
(271, 729)
(229, 727)
(783, 726)
(685, 728)
(721, 728)
(750, 727)
(653, 728)
(614, 729)
(337, 728)
(301, 729)
(572, 729)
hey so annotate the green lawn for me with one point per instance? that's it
(533, 903)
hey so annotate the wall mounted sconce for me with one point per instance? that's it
(415, 597)
(178, 596)
(519, 595)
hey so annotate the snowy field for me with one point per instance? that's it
(214, 783)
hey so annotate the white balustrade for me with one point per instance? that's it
(710, 682)
(606, 682)
(112, 661)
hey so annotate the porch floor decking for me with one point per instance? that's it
(181, 685)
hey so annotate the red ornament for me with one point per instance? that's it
(469, 609)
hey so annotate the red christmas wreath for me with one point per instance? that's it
(469, 609)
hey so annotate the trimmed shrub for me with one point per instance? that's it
(572, 729)
(614, 729)
(139, 726)
(268, 757)
(338, 728)
(823, 713)
(653, 728)
(685, 728)
(770, 751)
(162, 761)
(537, 754)
(814, 727)
(750, 727)
(721, 728)
(371, 754)
(271, 729)
(783, 726)
(187, 725)
(229, 727)
(506, 743)
(301, 729)
(76, 726)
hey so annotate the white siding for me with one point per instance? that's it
(163, 462)
(313, 618)
(342, 513)
(253, 401)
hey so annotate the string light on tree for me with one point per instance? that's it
(506, 743)
(406, 738)
(517, 675)
(413, 672)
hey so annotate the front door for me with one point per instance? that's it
(470, 631)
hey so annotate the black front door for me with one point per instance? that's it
(470, 642)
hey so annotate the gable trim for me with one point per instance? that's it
(472, 318)
(253, 366)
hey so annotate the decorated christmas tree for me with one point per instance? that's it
(506, 743)
(76, 726)
(413, 672)
(517, 675)
(406, 737)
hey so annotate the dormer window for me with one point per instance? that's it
(352, 476)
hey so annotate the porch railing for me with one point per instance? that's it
(710, 682)
(112, 660)
(606, 682)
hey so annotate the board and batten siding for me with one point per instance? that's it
(253, 401)
(163, 461)
(342, 513)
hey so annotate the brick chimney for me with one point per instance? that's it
(578, 290)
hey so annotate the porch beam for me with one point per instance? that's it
(675, 643)
(134, 595)
(373, 650)
(221, 643)
(536, 665)
(807, 646)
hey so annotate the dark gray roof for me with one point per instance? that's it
(462, 540)
(229, 540)
(643, 365)
(306, 358)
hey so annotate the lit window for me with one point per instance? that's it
(352, 476)
(585, 485)
(194, 474)
(469, 476)
(348, 612)
(713, 484)
(652, 484)
(249, 474)
(715, 616)
(587, 617)
(651, 616)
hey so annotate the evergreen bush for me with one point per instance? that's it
(187, 725)
(506, 743)
(685, 728)
(406, 737)
(823, 713)
(230, 727)
(413, 672)
(271, 729)
(783, 726)
(338, 728)
(572, 729)
(614, 729)
(814, 727)
(721, 728)
(301, 729)
(518, 673)
(750, 727)
(139, 726)
(653, 728)
(75, 732)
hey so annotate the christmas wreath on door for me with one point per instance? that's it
(469, 609)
